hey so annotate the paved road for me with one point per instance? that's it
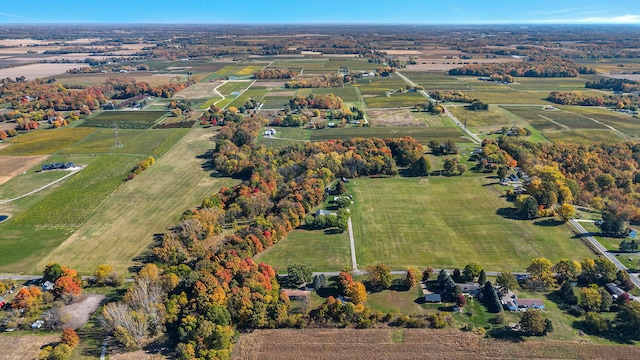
(352, 243)
(595, 244)
(473, 136)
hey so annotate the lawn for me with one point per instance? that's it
(275, 102)
(319, 251)
(44, 142)
(124, 225)
(425, 222)
(124, 119)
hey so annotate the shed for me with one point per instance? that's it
(323, 212)
(432, 298)
(633, 234)
(614, 290)
(296, 294)
(38, 324)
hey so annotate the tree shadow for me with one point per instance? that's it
(548, 222)
(509, 213)
(506, 334)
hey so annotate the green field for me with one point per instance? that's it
(379, 86)
(230, 87)
(43, 142)
(422, 222)
(124, 119)
(621, 122)
(275, 102)
(584, 136)
(421, 134)
(255, 93)
(319, 251)
(71, 203)
(394, 100)
(151, 142)
(123, 226)
(347, 93)
(436, 81)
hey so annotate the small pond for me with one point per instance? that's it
(3, 217)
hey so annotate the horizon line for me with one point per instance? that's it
(507, 23)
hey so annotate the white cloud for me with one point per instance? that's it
(624, 19)
(12, 15)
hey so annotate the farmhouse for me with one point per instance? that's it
(471, 289)
(324, 212)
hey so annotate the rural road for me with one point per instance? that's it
(473, 136)
(73, 171)
(595, 244)
(352, 243)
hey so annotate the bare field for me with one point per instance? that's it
(34, 71)
(402, 52)
(410, 344)
(14, 165)
(14, 346)
(400, 117)
(81, 309)
(153, 79)
(438, 64)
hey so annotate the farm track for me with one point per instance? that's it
(75, 170)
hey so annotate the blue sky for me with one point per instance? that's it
(322, 11)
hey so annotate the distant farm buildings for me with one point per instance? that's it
(57, 166)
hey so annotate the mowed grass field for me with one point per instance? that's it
(319, 251)
(446, 222)
(123, 226)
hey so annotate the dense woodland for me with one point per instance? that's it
(619, 85)
(605, 176)
(533, 67)
(630, 102)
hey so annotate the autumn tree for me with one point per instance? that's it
(69, 337)
(533, 323)
(471, 271)
(412, 278)
(379, 277)
(52, 272)
(67, 287)
(344, 282)
(27, 298)
(541, 276)
(426, 274)
(357, 292)
(567, 270)
(101, 273)
(566, 212)
(590, 298)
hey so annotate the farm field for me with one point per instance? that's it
(137, 119)
(421, 222)
(255, 93)
(44, 142)
(319, 251)
(393, 343)
(22, 346)
(421, 134)
(584, 136)
(13, 165)
(231, 87)
(437, 81)
(621, 122)
(275, 102)
(409, 99)
(201, 90)
(151, 142)
(147, 205)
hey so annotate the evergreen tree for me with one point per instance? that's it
(490, 298)
(482, 278)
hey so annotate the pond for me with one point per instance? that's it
(3, 217)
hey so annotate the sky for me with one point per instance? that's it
(412, 12)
